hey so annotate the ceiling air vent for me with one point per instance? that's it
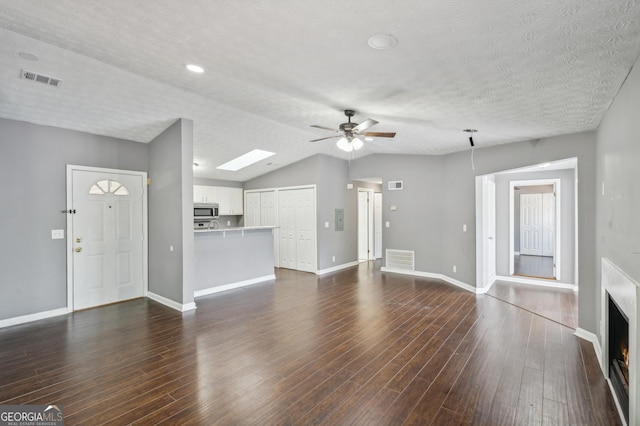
(395, 185)
(51, 81)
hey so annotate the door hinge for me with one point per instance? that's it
(70, 211)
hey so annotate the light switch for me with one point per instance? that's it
(349, 186)
(57, 234)
(464, 228)
(387, 224)
(326, 224)
(394, 208)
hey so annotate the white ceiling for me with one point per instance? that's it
(513, 69)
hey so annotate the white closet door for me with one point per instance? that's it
(268, 208)
(287, 229)
(548, 223)
(305, 229)
(531, 224)
(252, 216)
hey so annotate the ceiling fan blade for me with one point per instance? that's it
(324, 127)
(379, 134)
(365, 125)
(321, 139)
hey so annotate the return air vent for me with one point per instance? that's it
(400, 259)
(395, 185)
(33, 76)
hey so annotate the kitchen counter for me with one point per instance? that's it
(229, 258)
(238, 228)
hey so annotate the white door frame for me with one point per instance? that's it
(558, 207)
(145, 245)
(370, 247)
(483, 277)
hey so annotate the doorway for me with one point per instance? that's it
(535, 229)
(106, 237)
(297, 229)
(365, 225)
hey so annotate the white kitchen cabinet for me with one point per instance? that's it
(229, 199)
(205, 194)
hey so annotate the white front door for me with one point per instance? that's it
(107, 234)
(531, 224)
(377, 220)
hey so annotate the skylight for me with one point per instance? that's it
(245, 160)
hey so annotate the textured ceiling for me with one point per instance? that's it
(513, 69)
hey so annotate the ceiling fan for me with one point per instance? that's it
(349, 131)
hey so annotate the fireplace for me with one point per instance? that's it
(620, 332)
(619, 355)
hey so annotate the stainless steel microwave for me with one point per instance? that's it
(205, 212)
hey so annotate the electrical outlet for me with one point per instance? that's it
(455, 269)
(228, 223)
(326, 224)
(464, 228)
(57, 234)
(333, 258)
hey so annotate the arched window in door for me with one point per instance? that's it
(108, 186)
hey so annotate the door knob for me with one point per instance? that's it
(78, 240)
(78, 249)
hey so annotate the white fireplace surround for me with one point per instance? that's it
(625, 292)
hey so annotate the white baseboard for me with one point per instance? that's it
(245, 283)
(33, 317)
(442, 277)
(172, 303)
(336, 268)
(591, 337)
(541, 283)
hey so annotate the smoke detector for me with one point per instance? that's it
(41, 78)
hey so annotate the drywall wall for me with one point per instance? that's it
(567, 228)
(33, 161)
(171, 213)
(416, 218)
(618, 181)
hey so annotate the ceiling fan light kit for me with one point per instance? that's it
(348, 131)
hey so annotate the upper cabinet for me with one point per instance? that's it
(229, 199)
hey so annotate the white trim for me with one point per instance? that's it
(225, 287)
(442, 277)
(171, 303)
(33, 317)
(145, 226)
(557, 226)
(336, 268)
(541, 283)
(591, 337)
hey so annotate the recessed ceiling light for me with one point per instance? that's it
(28, 56)
(383, 41)
(195, 68)
(245, 160)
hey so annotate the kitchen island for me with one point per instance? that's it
(229, 258)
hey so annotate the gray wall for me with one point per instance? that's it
(330, 175)
(416, 222)
(618, 148)
(33, 161)
(171, 213)
(567, 189)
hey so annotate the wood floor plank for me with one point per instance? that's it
(358, 346)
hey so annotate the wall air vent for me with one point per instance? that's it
(395, 185)
(33, 76)
(400, 259)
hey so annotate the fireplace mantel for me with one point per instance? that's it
(625, 292)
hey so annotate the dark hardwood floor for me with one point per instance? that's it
(556, 304)
(355, 347)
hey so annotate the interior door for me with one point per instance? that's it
(491, 230)
(305, 229)
(548, 223)
(107, 233)
(287, 229)
(531, 224)
(252, 209)
(363, 225)
(377, 224)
